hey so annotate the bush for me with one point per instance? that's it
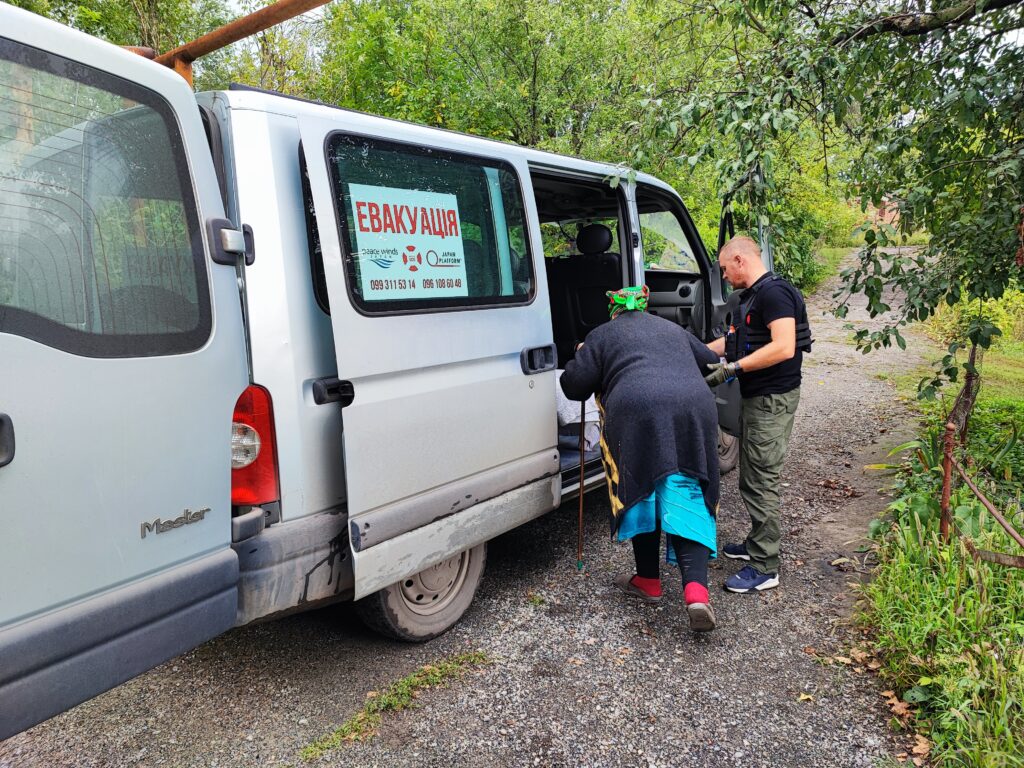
(951, 323)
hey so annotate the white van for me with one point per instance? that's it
(259, 354)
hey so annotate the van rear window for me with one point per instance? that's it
(423, 229)
(100, 247)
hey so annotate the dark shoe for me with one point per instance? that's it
(702, 617)
(751, 580)
(625, 583)
(736, 551)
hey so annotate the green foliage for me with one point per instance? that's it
(950, 630)
(953, 322)
(926, 108)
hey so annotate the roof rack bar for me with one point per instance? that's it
(180, 59)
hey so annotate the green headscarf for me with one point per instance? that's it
(630, 299)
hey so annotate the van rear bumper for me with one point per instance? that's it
(51, 663)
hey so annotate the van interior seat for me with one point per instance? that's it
(599, 271)
(577, 286)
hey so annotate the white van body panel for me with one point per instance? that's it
(109, 443)
(291, 337)
(90, 467)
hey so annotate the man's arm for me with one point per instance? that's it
(718, 346)
(782, 347)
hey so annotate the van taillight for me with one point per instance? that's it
(253, 449)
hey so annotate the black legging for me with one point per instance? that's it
(693, 557)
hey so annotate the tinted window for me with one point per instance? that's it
(424, 229)
(100, 248)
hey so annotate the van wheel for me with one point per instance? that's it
(728, 451)
(428, 603)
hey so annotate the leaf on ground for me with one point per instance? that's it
(921, 745)
(843, 659)
(577, 662)
(805, 697)
(810, 650)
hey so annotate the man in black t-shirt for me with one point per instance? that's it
(764, 349)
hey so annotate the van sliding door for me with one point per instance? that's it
(441, 329)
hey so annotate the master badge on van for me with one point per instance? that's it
(187, 518)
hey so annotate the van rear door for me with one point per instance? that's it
(121, 356)
(442, 332)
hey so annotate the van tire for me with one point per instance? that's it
(728, 451)
(395, 611)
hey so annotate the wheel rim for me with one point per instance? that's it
(431, 590)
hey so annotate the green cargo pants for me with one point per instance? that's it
(767, 425)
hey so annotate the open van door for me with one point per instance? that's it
(443, 339)
(726, 307)
(121, 357)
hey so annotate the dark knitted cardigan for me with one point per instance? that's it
(658, 414)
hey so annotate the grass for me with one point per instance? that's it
(400, 695)
(827, 260)
(1002, 371)
(949, 629)
(950, 632)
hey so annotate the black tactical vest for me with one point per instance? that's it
(742, 339)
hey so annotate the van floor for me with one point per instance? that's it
(576, 673)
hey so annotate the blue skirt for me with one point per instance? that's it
(678, 504)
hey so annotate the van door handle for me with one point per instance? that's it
(6, 440)
(333, 390)
(538, 359)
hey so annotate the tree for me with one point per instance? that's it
(930, 100)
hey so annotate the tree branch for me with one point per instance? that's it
(911, 24)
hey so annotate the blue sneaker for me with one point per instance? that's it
(736, 551)
(751, 580)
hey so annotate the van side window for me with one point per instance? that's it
(101, 252)
(665, 243)
(426, 229)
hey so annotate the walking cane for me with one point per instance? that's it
(579, 538)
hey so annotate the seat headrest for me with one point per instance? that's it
(594, 238)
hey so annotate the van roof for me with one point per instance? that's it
(261, 100)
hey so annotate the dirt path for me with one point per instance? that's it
(579, 675)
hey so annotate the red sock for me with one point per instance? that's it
(695, 592)
(651, 587)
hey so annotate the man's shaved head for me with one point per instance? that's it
(740, 260)
(744, 245)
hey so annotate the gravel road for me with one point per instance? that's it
(578, 675)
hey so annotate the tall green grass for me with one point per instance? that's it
(950, 630)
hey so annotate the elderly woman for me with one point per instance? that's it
(659, 444)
